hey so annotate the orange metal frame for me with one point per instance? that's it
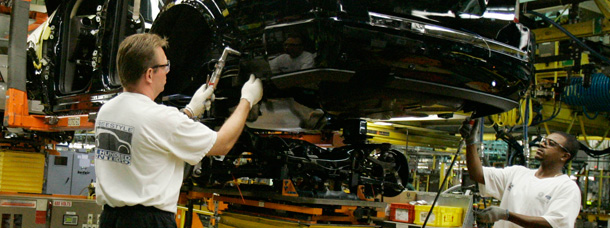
(318, 139)
(42, 195)
(257, 203)
(16, 115)
(342, 214)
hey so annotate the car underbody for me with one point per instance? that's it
(373, 60)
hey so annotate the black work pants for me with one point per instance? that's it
(136, 216)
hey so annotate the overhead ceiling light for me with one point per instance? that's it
(430, 117)
(491, 15)
(383, 123)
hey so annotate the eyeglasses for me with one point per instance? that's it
(552, 143)
(162, 65)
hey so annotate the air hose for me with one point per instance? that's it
(596, 98)
(515, 116)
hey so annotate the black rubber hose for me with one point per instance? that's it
(593, 153)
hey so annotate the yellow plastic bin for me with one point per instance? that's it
(421, 211)
(451, 216)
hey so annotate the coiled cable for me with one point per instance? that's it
(514, 116)
(596, 98)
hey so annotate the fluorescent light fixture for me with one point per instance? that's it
(500, 16)
(425, 14)
(383, 123)
(491, 15)
(430, 117)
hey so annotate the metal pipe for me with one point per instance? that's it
(599, 193)
(526, 122)
(136, 11)
(18, 46)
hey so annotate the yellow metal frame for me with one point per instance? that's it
(230, 220)
(601, 178)
(404, 135)
(181, 216)
(572, 122)
(604, 7)
(582, 29)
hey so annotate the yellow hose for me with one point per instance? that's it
(514, 116)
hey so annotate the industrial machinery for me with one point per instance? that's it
(41, 211)
(314, 171)
(446, 63)
(370, 60)
(357, 72)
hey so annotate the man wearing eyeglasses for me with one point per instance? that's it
(543, 197)
(296, 58)
(141, 146)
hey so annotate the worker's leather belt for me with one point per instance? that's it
(137, 207)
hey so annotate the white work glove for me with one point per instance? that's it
(198, 102)
(492, 214)
(252, 90)
(470, 131)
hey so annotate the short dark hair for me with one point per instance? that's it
(572, 144)
(136, 54)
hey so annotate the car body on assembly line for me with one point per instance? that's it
(376, 59)
(360, 59)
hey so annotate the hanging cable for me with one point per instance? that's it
(553, 115)
(515, 116)
(526, 123)
(584, 111)
(594, 153)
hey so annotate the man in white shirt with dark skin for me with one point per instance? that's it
(296, 58)
(543, 197)
(141, 146)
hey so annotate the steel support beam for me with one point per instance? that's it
(604, 7)
(582, 29)
(16, 111)
(541, 4)
(17, 45)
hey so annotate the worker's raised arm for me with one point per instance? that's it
(470, 132)
(251, 93)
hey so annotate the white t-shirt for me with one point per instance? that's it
(284, 63)
(556, 199)
(141, 147)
